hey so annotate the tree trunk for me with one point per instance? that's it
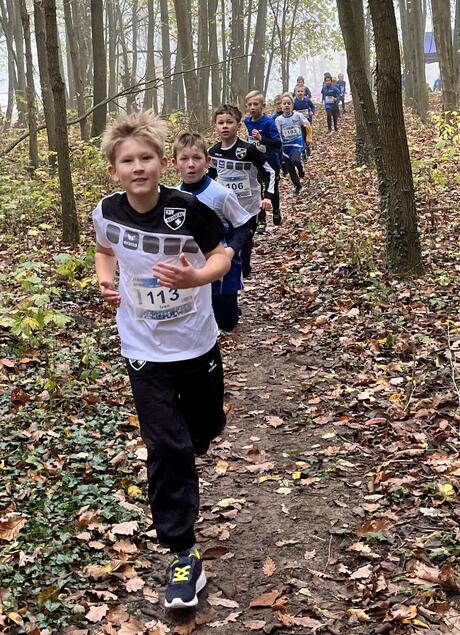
(72, 103)
(16, 32)
(408, 46)
(403, 244)
(363, 147)
(270, 59)
(214, 53)
(413, 30)
(135, 30)
(257, 65)
(203, 60)
(184, 37)
(238, 80)
(225, 67)
(80, 30)
(150, 65)
(70, 230)
(100, 68)
(7, 31)
(351, 17)
(78, 78)
(126, 77)
(47, 96)
(166, 57)
(443, 38)
(112, 45)
(31, 114)
(457, 45)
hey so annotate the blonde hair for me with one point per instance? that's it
(189, 140)
(302, 86)
(253, 94)
(141, 125)
(287, 96)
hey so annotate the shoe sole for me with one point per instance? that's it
(177, 603)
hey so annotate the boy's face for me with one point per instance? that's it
(191, 163)
(277, 103)
(286, 106)
(300, 92)
(340, 76)
(328, 81)
(227, 127)
(137, 167)
(255, 107)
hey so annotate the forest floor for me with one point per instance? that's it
(331, 502)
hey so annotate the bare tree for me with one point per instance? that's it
(166, 56)
(100, 68)
(443, 37)
(70, 229)
(257, 64)
(238, 79)
(47, 96)
(150, 94)
(403, 243)
(30, 94)
(214, 54)
(413, 30)
(77, 74)
(203, 61)
(184, 36)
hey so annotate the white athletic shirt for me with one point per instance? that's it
(178, 223)
(223, 201)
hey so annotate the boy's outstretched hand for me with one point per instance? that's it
(182, 276)
(265, 204)
(110, 293)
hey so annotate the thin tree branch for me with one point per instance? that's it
(136, 88)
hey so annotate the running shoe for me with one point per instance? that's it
(261, 227)
(296, 191)
(186, 579)
(277, 217)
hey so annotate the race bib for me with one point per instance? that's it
(330, 99)
(291, 132)
(239, 184)
(151, 301)
(260, 146)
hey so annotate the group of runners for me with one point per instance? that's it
(171, 260)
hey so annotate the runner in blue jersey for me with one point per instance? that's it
(330, 95)
(306, 107)
(290, 126)
(342, 86)
(263, 133)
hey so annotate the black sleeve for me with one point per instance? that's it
(239, 237)
(212, 172)
(207, 229)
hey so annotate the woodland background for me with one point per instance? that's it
(332, 502)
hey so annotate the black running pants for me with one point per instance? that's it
(180, 410)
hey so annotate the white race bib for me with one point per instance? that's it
(151, 301)
(291, 132)
(239, 184)
(330, 99)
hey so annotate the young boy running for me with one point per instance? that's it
(306, 107)
(167, 246)
(331, 95)
(191, 159)
(263, 133)
(290, 125)
(239, 166)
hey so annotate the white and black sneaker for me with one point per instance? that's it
(186, 579)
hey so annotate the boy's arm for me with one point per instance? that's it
(273, 141)
(267, 174)
(106, 267)
(185, 276)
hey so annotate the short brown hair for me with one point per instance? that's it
(227, 109)
(189, 140)
(142, 125)
(255, 93)
(302, 86)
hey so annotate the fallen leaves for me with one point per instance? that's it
(97, 612)
(11, 525)
(269, 567)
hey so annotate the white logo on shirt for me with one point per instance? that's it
(174, 217)
(137, 364)
(241, 153)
